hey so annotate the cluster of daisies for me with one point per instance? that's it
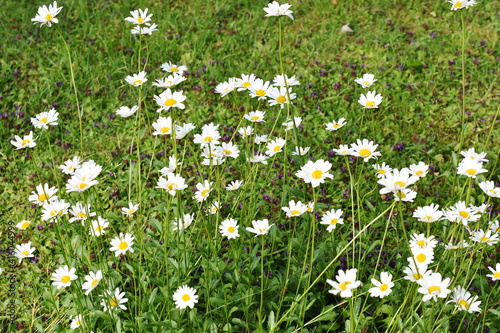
(371, 100)
(431, 284)
(142, 20)
(54, 209)
(279, 93)
(41, 121)
(462, 212)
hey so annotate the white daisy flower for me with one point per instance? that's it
(136, 79)
(122, 243)
(229, 228)
(47, 16)
(173, 68)
(276, 9)
(366, 81)
(185, 297)
(63, 276)
(371, 101)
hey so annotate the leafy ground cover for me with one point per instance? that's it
(150, 230)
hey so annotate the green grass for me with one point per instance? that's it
(275, 282)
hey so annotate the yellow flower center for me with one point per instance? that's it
(231, 230)
(421, 257)
(260, 92)
(463, 304)
(25, 142)
(137, 82)
(170, 102)
(384, 287)
(277, 148)
(463, 214)
(336, 126)
(417, 276)
(113, 301)
(428, 218)
(255, 118)
(99, 228)
(496, 275)
(94, 283)
(49, 17)
(174, 69)
(171, 186)
(295, 212)
(140, 20)
(65, 279)
(343, 285)
(281, 99)
(24, 225)
(334, 221)
(165, 129)
(227, 152)
(44, 120)
(419, 172)
(81, 186)
(365, 152)
(204, 193)
(186, 297)
(81, 215)
(316, 174)
(400, 183)
(367, 83)
(382, 171)
(123, 245)
(78, 323)
(370, 104)
(484, 239)
(246, 84)
(434, 290)
(458, 4)
(43, 197)
(401, 194)
(208, 139)
(471, 171)
(26, 253)
(422, 243)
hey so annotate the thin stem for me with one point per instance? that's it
(261, 281)
(72, 75)
(463, 80)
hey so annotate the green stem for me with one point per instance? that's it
(72, 75)
(261, 282)
(462, 133)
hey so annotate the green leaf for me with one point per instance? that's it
(239, 322)
(152, 296)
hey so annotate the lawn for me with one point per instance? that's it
(250, 166)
